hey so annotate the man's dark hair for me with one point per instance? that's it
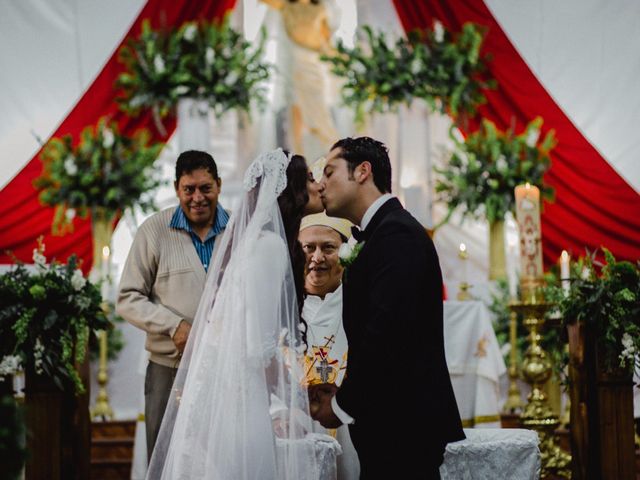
(366, 149)
(194, 160)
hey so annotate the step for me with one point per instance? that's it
(113, 428)
(112, 448)
(110, 469)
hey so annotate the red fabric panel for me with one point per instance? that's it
(22, 218)
(594, 206)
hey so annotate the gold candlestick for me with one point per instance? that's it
(536, 370)
(463, 288)
(102, 408)
(514, 399)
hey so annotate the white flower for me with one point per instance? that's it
(438, 31)
(532, 137)
(231, 79)
(501, 164)
(78, 281)
(38, 350)
(345, 251)
(9, 365)
(209, 56)
(190, 32)
(627, 341)
(107, 138)
(70, 213)
(39, 259)
(585, 274)
(628, 354)
(70, 166)
(505, 349)
(158, 64)
(181, 90)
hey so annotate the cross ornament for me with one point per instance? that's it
(324, 369)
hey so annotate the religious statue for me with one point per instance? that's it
(309, 27)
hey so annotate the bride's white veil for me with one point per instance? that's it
(243, 358)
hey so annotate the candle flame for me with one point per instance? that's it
(105, 252)
(564, 255)
(527, 185)
(463, 247)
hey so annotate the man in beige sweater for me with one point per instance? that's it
(165, 273)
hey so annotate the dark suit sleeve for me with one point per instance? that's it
(390, 337)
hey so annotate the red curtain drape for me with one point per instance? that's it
(594, 206)
(22, 218)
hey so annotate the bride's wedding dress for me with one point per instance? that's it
(244, 359)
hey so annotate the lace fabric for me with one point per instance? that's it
(244, 353)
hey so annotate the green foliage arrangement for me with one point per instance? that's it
(47, 318)
(609, 302)
(485, 168)
(103, 170)
(209, 61)
(434, 65)
(12, 435)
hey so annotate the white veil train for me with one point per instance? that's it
(243, 357)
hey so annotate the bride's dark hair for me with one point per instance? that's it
(292, 202)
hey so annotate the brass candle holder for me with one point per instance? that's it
(102, 409)
(514, 399)
(536, 370)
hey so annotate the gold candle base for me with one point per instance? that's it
(514, 399)
(463, 292)
(536, 370)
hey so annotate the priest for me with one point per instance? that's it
(326, 358)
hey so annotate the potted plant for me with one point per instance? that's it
(602, 314)
(483, 171)
(206, 62)
(435, 65)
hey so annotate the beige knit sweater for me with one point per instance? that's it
(161, 284)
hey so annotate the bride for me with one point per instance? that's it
(239, 408)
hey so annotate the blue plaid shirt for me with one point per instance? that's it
(204, 249)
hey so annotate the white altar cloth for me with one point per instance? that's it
(475, 362)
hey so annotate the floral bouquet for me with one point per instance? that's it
(47, 319)
(486, 167)
(104, 170)
(442, 68)
(209, 61)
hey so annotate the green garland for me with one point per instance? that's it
(47, 319)
(208, 61)
(434, 65)
(485, 168)
(104, 170)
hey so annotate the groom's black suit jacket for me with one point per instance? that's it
(397, 385)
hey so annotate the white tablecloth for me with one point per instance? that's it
(511, 453)
(475, 362)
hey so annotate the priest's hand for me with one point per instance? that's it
(320, 404)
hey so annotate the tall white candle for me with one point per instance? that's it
(564, 272)
(104, 271)
(528, 218)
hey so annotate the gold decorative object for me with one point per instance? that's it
(463, 288)
(536, 370)
(101, 225)
(514, 399)
(497, 259)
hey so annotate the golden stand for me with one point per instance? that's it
(102, 408)
(514, 399)
(536, 370)
(102, 230)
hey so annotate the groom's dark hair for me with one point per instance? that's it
(366, 149)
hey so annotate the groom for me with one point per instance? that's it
(397, 396)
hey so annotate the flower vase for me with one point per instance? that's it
(194, 124)
(497, 259)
